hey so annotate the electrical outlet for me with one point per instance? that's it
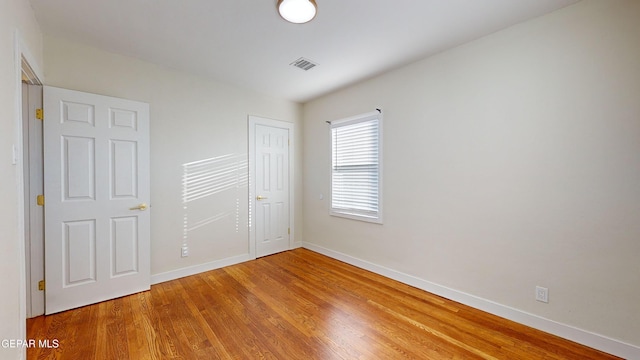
(542, 294)
(185, 251)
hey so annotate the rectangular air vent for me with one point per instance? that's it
(304, 64)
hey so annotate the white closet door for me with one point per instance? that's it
(271, 189)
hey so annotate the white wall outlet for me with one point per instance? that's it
(542, 294)
(185, 251)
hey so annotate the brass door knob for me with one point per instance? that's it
(141, 207)
(259, 197)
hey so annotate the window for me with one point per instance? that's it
(356, 167)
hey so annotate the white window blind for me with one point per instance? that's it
(356, 167)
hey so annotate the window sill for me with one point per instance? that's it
(369, 219)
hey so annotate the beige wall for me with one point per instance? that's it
(192, 119)
(15, 15)
(509, 162)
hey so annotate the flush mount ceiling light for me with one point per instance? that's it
(297, 11)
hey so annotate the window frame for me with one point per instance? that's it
(378, 218)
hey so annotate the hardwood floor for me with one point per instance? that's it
(292, 305)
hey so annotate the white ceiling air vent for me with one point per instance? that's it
(304, 64)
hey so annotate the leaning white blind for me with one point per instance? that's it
(355, 168)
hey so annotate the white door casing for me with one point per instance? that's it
(270, 190)
(34, 216)
(97, 221)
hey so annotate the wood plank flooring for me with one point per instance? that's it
(293, 305)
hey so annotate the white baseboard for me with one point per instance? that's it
(197, 269)
(596, 341)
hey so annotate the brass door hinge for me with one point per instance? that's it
(39, 114)
(41, 285)
(289, 231)
(40, 200)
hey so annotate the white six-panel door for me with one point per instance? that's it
(271, 189)
(97, 221)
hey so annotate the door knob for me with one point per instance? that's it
(141, 207)
(259, 197)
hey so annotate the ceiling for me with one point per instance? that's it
(246, 43)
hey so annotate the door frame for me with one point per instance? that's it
(23, 56)
(252, 122)
(33, 186)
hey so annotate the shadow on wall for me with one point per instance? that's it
(212, 191)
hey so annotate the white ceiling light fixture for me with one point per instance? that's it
(297, 11)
